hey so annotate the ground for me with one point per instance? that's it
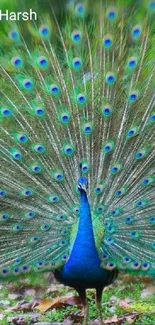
(40, 300)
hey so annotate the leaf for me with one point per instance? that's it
(130, 318)
(149, 291)
(124, 303)
(58, 302)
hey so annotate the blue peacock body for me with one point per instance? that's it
(77, 148)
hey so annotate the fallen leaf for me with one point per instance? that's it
(58, 302)
(149, 291)
(124, 303)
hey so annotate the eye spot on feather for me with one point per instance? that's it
(110, 266)
(22, 138)
(85, 166)
(152, 220)
(116, 168)
(136, 31)
(14, 35)
(80, 9)
(16, 270)
(142, 203)
(105, 256)
(111, 13)
(6, 112)
(27, 84)
(108, 147)
(34, 239)
(81, 99)
(3, 193)
(110, 78)
(107, 41)
(77, 63)
(36, 168)
(134, 234)
(106, 110)
(133, 96)
(4, 217)
(54, 89)
(5, 272)
(135, 265)
(26, 192)
(58, 175)
(65, 117)
(153, 245)
(76, 210)
(132, 132)
(152, 118)
(132, 62)
(42, 62)
(15, 154)
(17, 227)
(39, 148)
(126, 259)
(30, 214)
(25, 268)
(68, 150)
(53, 198)
(141, 153)
(151, 5)
(17, 62)
(145, 266)
(44, 31)
(76, 36)
(99, 189)
(129, 220)
(87, 128)
(39, 111)
(109, 240)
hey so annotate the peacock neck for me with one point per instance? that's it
(84, 246)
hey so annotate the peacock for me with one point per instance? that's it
(77, 142)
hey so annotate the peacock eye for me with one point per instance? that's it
(6, 112)
(39, 111)
(81, 99)
(152, 118)
(133, 96)
(80, 9)
(27, 84)
(17, 62)
(132, 62)
(53, 198)
(42, 62)
(76, 36)
(22, 138)
(107, 41)
(99, 189)
(136, 31)
(77, 63)
(16, 154)
(3, 193)
(65, 117)
(13, 34)
(39, 148)
(35, 168)
(106, 110)
(4, 217)
(54, 89)
(87, 128)
(111, 13)
(68, 150)
(44, 31)
(151, 5)
(110, 78)
(108, 147)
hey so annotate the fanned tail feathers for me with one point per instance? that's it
(78, 89)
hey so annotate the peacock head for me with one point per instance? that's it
(82, 184)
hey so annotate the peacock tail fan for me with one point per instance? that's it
(77, 88)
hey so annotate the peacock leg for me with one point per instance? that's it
(82, 294)
(98, 302)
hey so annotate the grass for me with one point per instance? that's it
(121, 290)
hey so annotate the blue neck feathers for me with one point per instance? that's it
(83, 263)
